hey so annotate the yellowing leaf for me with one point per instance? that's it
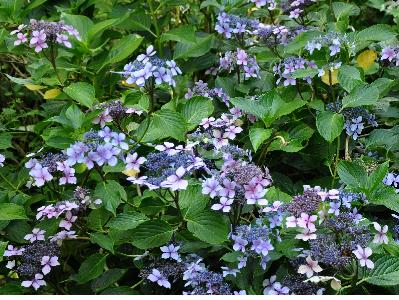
(124, 83)
(51, 94)
(34, 87)
(366, 59)
(131, 173)
(326, 77)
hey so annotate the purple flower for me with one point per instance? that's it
(105, 154)
(69, 219)
(174, 69)
(47, 262)
(159, 278)
(40, 175)
(148, 53)
(38, 40)
(262, 247)
(228, 189)
(388, 53)
(231, 132)
(69, 176)
(2, 159)
(242, 57)
(89, 160)
(118, 139)
(242, 262)
(211, 186)
(36, 235)
(103, 118)
(162, 75)
(142, 75)
(106, 133)
(363, 256)
(133, 162)
(294, 14)
(176, 182)
(21, 38)
(170, 251)
(334, 208)
(224, 205)
(63, 40)
(227, 271)
(36, 282)
(11, 251)
(239, 243)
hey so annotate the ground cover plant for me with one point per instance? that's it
(232, 147)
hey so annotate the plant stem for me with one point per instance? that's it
(336, 161)
(347, 156)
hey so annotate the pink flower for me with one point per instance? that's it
(211, 186)
(228, 189)
(63, 40)
(242, 57)
(47, 262)
(224, 205)
(69, 219)
(38, 40)
(220, 139)
(206, 122)
(231, 132)
(363, 255)
(21, 38)
(40, 175)
(306, 221)
(291, 222)
(388, 53)
(176, 182)
(36, 235)
(311, 267)
(307, 234)
(381, 236)
(103, 118)
(133, 162)
(36, 282)
(69, 176)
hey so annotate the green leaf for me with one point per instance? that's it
(3, 246)
(377, 176)
(329, 125)
(269, 107)
(386, 196)
(81, 23)
(103, 240)
(258, 135)
(98, 28)
(152, 234)
(385, 272)
(111, 193)
(5, 140)
(192, 201)
(183, 34)
(196, 109)
(201, 46)
(75, 116)
(384, 138)
(82, 92)
(352, 174)
(107, 279)
(379, 32)
(349, 77)
(91, 268)
(342, 10)
(164, 123)
(361, 95)
(208, 226)
(302, 73)
(11, 211)
(123, 49)
(127, 220)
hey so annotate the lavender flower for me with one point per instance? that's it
(36, 282)
(170, 251)
(160, 279)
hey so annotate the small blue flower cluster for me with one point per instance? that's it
(354, 118)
